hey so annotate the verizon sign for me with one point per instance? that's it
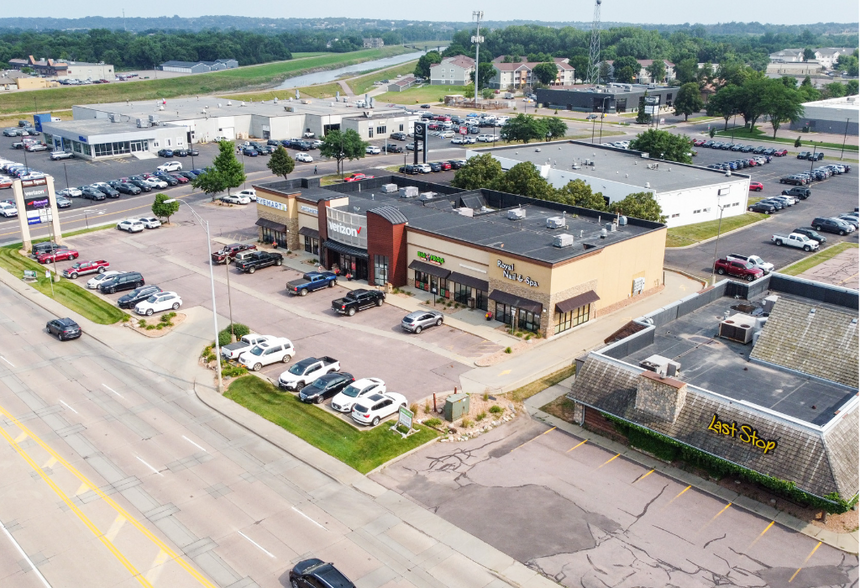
(347, 228)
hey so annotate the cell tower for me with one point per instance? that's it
(594, 52)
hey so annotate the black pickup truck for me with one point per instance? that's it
(358, 300)
(259, 260)
(311, 281)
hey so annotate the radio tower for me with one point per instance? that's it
(594, 52)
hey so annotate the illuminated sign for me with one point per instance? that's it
(37, 205)
(431, 258)
(272, 204)
(743, 433)
(309, 209)
(346, 227)
(509, 273)
(343, 229)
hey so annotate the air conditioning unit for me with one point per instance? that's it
(563, 240)
(142, 123)
(555, 222)
(153, 119)
(389, 188)
(427, 196)
(517, 214)
(114, 117)
(661, 365)
(409, 192)
(739, 328)
(622, 221)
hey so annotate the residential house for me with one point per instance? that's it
(51, 68)
(824, 56)
(787, 56)
(510, 76)
(372, 43)
(455, 70)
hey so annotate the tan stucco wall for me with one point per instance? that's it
(288, 217)
(458, 257)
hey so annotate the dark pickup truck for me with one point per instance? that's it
(259, 260)
(311, 281)
(358, 300)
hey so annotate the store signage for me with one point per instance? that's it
(404, 417)
(429, 257)
(309, 209)
(743, 433)
(509, 273)
(343, 229)
(347, 228)
(272, 204)
(37, 206)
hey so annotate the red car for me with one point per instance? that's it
(738, 269)
(780, 153)
(698, 142)
(228, 252)
(445, 165)
(60, 255)
(357, 178)
(756, 186)
(180, 179)
(83, 268)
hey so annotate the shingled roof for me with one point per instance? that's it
(820, 459)
(811, 338)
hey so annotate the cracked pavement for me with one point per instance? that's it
(586, 520)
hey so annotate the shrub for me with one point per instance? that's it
(480, 416)
(434, 422)
(239, 330)
(528, 337)
(159, 326)
(125, 318)
(508, 350)
(496, 409)
(466, 423)
(486, 396)
(233, 371)
(150, 327)
(427, 407)
(165, 318)
(414, 409)
(141, 323)
(209, 357)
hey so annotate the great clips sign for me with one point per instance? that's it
(346, 227)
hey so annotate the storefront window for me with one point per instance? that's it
(525, 320)
(567, 320)
(428, 283)
(481, 299)
(461, 293)
(380, 270)
(312, 245)
(272, 236)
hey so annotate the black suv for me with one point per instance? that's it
(126, 281)
(325, 387)
(398, 136)
(798, 192)
(831, 225)
(63, 328)
(315, 573)
(131, 299)
(392, 148)
(92, 193)
(764, 207)
(47, 247)
(410, 169)
(811, 233)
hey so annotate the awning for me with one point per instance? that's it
(345, 249)
(264, 222)
(516, 301)
(309, 232)
(429, 268)
(469, 281)
(577, 301)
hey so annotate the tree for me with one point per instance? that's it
(525, 179)
(808, 54)
(834, 89)
(639, 205)
(687, 70)
(225, 173)
(523, 127)
(851, 87)
(781, 104)
(724, 103)
(602, 72)
(481, 171)
(797, 142)
(626, 69)
(340, 145)
(688, 100)
(545, 72)
(663, 145)
(163, 209)
(555, 127)
(486, 71)
(848, 64)
(642, 117)
(751, 100)
(422, 68)
(657, 70)
(578, 193)
(808, 91)
(487, 93)
(281, 164)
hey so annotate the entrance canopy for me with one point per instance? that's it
(345, 249)
(429, 268)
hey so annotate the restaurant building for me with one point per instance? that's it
(536, 266)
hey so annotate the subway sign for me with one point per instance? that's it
(743, 433)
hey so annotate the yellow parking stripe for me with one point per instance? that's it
(532, 439)
(713, 518)
(577, 445)
(643, 477)
(766, 529)
(173, 555)
(608, 460)
(678, 495)
(804, 562)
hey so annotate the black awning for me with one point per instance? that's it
(577, 301)
(516, 301)
(429, 268)
(476, 283)
(264, 222)
(309, 232)
(345, 249)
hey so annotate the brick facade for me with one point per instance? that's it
(385, 238)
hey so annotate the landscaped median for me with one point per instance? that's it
(361, 449)
(810, 262)
(66, 292)
(693, 234)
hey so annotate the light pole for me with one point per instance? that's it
(477, 40)
(602, 116)
(205, 223)
(65, 171)
(812, 159)
(734, 124)
(716, 243)
(845, 136)
(244, 182)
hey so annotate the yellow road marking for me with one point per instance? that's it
(804, 562)
(50, 463)
(117, 524)
(74, 507)
(173, 555)
(532, 439)
(20, 437)
(678, 495)
(504, 372)
(713, 518)
(608, 460)
(643, 477)
(766, 529)
(81, 489)
(157, 566)
(577, 445)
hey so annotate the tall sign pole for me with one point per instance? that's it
(37, 205)
(478, 15)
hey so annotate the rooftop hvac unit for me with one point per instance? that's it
(603, 233)
(517, 214)
(409, 192)
(142, 123)
(768, 303)
(738, 327)
(427, 196)
(661, 365)
(114, 117)
(622, 221)
(563, 240)
(389, 188)
(611, 227)
(555, 222)
(153, 119)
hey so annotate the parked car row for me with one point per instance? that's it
(433, 166)
(731, 146)
(133, 185)
(774, 204)
(742, 163)
(816, 175)
(178, 152)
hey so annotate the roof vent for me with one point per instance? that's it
(622, 221)
(562, 240)
(517, 214)
(661, 365)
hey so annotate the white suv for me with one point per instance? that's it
(250, 194)
(8, 210)
(132, 225)
(424, 168)
(267, 353)
(159, 302)
(170, 166)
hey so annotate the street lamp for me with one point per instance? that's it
(205, 223)
(845, 136)
(66, 171)
(602, 116)
(812, 159)
(716, 243)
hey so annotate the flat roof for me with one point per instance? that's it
(96, 126)
(616, 165)
(722, 366)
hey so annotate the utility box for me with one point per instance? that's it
(456, 406)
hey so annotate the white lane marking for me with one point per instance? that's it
(112, 390)
(256, 544)
(7, 361)
(309, 518)
(24, 555)
(149, 466)
(193, 443)
(69, 407)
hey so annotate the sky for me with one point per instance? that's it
(631, 11)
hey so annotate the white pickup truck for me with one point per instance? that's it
(307, 371)
(796, 240)
(234, 350)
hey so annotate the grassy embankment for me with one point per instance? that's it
(810, 262)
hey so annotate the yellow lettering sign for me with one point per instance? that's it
(743, 433)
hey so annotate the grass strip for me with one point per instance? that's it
(757, 135)
(362, 450)
(363, 84)
(318, 91)
(66, 292)
(529, 390)
(810, 262)
(692, 234)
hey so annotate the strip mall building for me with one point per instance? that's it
(537, 266)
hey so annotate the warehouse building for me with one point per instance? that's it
(761, 375)
(192, 67)
(610, 98)
(687, 194)
(65, 69)
(536, 266)
(833, 115)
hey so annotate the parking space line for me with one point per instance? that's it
(678, 495)
(577, 445)
(713, 518)
(257, 545)
(24, 555)
(814, 549)
(309, 518)
(608, 460)
(766, 529)
(532, 439)
(644, 476)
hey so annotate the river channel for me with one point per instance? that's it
(330, 75)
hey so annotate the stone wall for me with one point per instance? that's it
(662, 398)
(292, 225)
